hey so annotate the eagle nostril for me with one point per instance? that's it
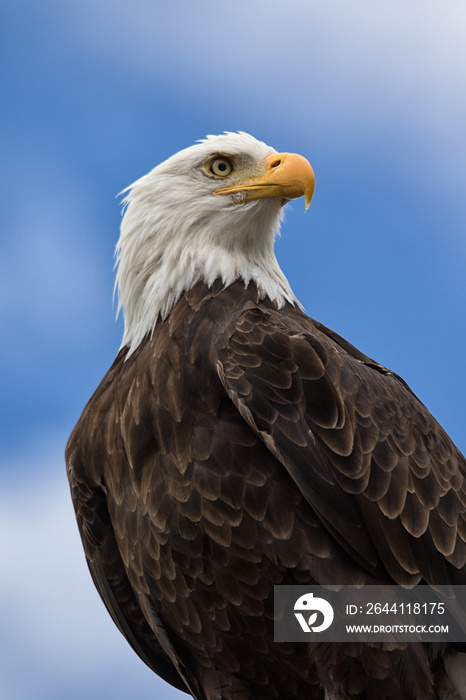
(276, 163)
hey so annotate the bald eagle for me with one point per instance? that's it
(236, 444)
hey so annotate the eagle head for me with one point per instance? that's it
(209, 212)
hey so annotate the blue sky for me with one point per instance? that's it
(94, 94)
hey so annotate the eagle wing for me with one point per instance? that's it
(101, 548)
(381, 474)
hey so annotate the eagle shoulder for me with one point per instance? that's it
(382, 474)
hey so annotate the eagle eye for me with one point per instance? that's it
(220, 166)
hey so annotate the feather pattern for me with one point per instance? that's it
(211, 465)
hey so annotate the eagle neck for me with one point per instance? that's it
(155, 301)
(160, 257)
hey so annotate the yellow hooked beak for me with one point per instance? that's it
(287, 175)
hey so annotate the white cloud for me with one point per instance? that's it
(361, 56)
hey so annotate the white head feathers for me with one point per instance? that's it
(175, 232)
